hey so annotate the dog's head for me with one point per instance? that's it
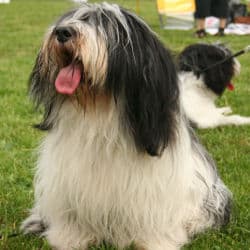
(204, 60)
(104, 50)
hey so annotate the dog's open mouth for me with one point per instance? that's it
(70, 66)
(68, 79)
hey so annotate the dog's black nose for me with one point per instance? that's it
(64, 34)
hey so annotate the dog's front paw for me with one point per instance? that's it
(226, 110)
(33, 225)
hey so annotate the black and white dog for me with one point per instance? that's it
(119, 162)
(205, 71)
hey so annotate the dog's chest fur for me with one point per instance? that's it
(100, 180)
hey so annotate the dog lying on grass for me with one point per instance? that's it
(205, 72)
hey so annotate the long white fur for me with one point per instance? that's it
(199, 104)
(93, 185)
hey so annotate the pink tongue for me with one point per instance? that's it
(68, 79)
(230, 86)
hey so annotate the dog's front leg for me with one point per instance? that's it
(164, 244)
(68, 237)
(34, 224)
(60, 234)
(225, 110)
(233, 120)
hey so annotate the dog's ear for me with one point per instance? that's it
(42, 91)
(142, 73)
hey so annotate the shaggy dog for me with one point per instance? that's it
(205, 71)
(119, 162)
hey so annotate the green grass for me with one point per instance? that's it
(22, 26)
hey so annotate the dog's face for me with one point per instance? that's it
(74, 56)
(102, 50)
(200, 59)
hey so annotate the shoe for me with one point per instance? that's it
(200, 33)
(220, 32)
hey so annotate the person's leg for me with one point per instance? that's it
(220, 9)
(223, 23)
(200, 23)
(202, 11)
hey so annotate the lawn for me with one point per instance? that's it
(22, 26)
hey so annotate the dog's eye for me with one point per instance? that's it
(85, 18)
